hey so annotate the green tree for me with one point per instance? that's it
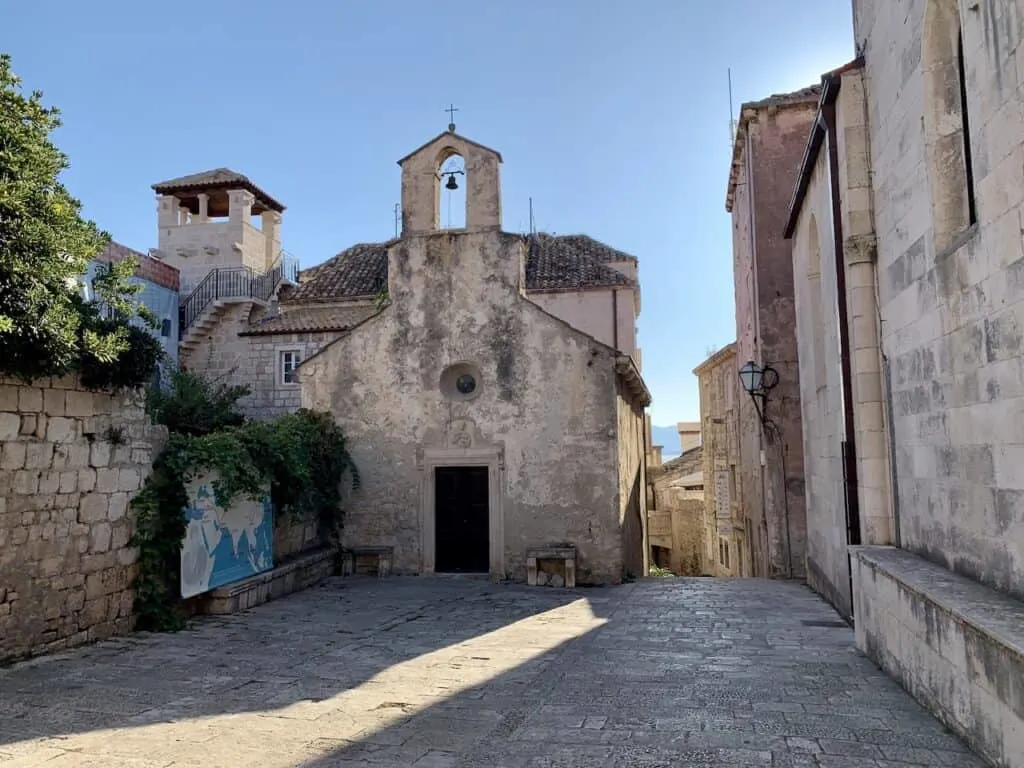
(46, 326)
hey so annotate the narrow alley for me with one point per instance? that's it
(436, 672)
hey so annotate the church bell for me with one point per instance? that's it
(452, 184)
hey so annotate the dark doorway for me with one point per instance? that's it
(461, 520)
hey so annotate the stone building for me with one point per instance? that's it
(727, 528)
(907, 251)
(831, 228)
(548, 446)
(770, 139)
(494, 404)
(676, 513)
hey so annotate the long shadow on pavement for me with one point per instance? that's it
(291, 657)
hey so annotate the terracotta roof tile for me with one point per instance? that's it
(311, 319)
(362, 270)
(571, 262)
(554, 263)
(146, 267)
(218, 178)
(589, 246)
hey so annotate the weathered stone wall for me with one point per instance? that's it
(950, 290)
(421, 189)
(954, 644)
(771, 147)
(632, 465)
(543, 419)
(594, 313)
(196, 247)
(819, 344)
(292, 537)
(678, 511)
(70, 460)
(725, 517)
(252, 360)
(821, 396)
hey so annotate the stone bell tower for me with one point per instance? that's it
(422, 180)
(206, 221)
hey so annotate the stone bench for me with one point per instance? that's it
(537, 576)
(299, 572)
(384, 557)
(956, 645)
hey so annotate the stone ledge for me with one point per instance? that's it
(957, 646)
(303, 571)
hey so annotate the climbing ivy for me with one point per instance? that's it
(302, 457)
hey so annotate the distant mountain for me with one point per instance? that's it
(668, 438)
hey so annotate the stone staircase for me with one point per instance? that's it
(201, 311)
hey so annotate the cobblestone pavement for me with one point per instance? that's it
(435, 672)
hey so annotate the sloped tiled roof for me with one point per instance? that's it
(688, 463)
(311, 319)
(587, 245)
(554, 263)
(218, 178)
(572, 262)
(146, 267)
(362, 270)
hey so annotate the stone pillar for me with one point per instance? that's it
(271, 225)
(167, 211)
(183, 215)
(868, 402)
(204, 207)
(240, 202)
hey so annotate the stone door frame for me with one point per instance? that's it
(491, 457)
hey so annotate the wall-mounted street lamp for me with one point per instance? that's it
(758, 381)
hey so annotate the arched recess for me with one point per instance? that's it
(450, 205)
(817, 316)
(946, 123)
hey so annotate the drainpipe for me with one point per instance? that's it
(849, 444)
(615, 319)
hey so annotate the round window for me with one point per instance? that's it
(460, 381)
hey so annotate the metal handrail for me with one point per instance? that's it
(236, 283)
(226, 283)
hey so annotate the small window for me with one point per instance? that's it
(461, 381)
(289, 363)
(165, 327)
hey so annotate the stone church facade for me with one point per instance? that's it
(489, 382)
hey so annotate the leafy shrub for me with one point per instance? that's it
(303, 458)
(195, 405)
(46, 328)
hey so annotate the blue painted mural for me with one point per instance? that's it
(222, 546)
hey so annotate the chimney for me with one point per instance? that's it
(689, 435)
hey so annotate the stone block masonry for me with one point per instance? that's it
(70, 461)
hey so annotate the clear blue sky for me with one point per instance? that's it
(612, 114)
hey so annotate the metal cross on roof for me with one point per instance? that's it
(451, 110)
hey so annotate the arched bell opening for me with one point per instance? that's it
(451, 186)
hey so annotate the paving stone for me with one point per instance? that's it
(461, 673)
